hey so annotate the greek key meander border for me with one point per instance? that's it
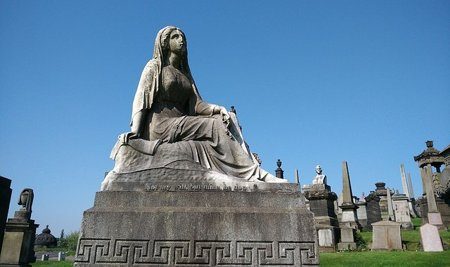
(195, 252)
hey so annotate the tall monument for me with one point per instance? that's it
(186, 190)
(428, 160)
(407, 190)
(321, 203)
(349, 220)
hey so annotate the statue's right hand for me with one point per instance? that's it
(131, 135)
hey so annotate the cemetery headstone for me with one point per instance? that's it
(361, 213)
(373, 209)
(61, 256)
(386, 236)
(431, 241)
(402, 209)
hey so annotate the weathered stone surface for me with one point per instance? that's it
(321, 203)
(361, 213)
(386, 236)
(402, 210)
(326, 237)
(186, 190)
(20, 232)
(5, 198)
(197, 226)
(348, 207)
(373, 209)
(431, 241)
(347, 238)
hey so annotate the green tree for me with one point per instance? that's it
(70, 241)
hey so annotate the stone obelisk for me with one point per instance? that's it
(349, 221)
(407, 190)
(404, 182)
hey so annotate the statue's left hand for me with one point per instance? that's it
(225, 115)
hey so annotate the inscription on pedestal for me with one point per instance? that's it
(194, 187)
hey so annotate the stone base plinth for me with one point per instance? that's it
(343, 246)
(198, 225)
(386, 236)
(18, 243)
(347, 238)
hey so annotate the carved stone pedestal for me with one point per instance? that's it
(5, 197)
(321, 203)
(18, 243)
(347, 239)
(198, 224)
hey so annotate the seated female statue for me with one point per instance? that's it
(169, 112)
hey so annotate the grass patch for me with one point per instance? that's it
(417, 222)
(392, 258)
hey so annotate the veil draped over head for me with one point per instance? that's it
(150, 81)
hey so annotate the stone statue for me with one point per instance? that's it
(26, 199)
(320, 178)
(173, 127)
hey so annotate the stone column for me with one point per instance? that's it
(434, 216)
(390, 206)
(423, 175)
(404, 182)
(5, 198)
(410, 186)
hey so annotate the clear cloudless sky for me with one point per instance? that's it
(314, 82)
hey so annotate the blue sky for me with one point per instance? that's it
(314, 82)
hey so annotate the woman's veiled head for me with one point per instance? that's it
(163, 41)
(163, 46)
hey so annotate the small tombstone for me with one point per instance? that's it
(326, 237)
(386, 236)
(44, 257)
(431, 241)
(61, 256)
